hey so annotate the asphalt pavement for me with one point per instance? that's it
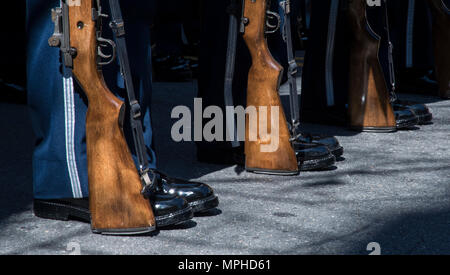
(391, 189)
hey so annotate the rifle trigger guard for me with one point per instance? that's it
(269, 27)
(105, 43)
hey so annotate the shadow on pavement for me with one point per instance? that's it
(415, 233)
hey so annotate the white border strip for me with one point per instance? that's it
(69, 109)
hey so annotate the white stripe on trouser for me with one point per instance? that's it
(69, 108)
(445, 6)
(329, 79)
(410, 33)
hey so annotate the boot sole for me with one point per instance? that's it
(404, 124)
(64, 212)
(425, 119)
(175, 218)
(318, 164)
(204, 204)
(338, 152)
(60, 212)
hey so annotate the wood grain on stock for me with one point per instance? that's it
(441, 43)
(114, 184)
(263, 82)
(369, 100)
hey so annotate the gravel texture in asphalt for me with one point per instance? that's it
(393, 189)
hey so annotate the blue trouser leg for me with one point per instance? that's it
(57, 113)
(58, 106)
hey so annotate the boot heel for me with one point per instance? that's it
(50, 211)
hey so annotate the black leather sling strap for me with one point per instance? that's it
(292, 70)
(117, 25)
(392, 80)
(234, 11)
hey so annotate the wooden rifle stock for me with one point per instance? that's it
(441, 43)
(116, 203)
(262, 91)
(369, 99)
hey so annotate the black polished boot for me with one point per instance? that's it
(420, 110)
(330, 142)
(313, 156)
(405, 117)
(199, 196)
(168, 209)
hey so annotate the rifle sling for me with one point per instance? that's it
(292, 70)
(392, 80)
(118, 28)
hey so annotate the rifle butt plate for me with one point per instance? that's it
(374, 129)
(272, 172)
(124, 231)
